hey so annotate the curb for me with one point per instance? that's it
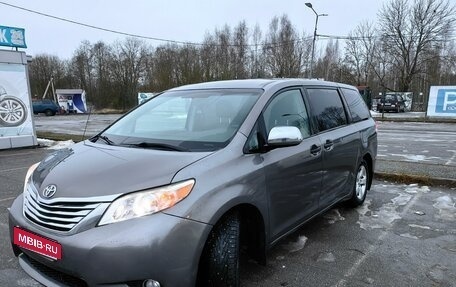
(420, 120)
(406, 178)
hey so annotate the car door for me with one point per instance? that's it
(340, 142)
(293, 174)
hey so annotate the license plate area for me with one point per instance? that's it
(37, 243)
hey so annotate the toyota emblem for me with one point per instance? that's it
(49, 191)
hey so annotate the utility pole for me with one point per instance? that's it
(308, 4)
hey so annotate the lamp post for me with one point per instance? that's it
(308, 4)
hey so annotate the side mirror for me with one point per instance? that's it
(284, 136)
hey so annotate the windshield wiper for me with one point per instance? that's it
(104, 138)
(162, 146)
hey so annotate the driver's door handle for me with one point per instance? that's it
(315, 150)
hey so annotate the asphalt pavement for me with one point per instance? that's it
(417, 151)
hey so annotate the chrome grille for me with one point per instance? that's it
(61, 215)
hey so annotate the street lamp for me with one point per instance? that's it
(308, 4)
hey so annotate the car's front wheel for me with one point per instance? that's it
(220, 260)
(361, 184)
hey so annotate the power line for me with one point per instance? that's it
(379, 37)
(272, 44)
(96, 27)
(264, 44)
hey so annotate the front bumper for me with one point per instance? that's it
(161, 247)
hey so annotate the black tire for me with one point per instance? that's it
(13, 112)
(359, 192)
(49, 112)
(220, 260)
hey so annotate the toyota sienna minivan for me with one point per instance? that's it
(171, 193)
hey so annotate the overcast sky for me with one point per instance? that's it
(181, 20)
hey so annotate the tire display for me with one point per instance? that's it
(12, 111)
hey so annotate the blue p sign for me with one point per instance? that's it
(446, 101)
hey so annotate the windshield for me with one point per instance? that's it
(192, 120)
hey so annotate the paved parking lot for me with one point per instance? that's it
(404, 235)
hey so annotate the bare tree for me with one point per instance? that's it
(82, 68)
(257, 60)
(223, 69)
(188, 65)
(328, 66)
(239, 54)
(410, 30)
(42, 68)
(284, 54)
(101, 61)
(208, 58)
(128, 67)
(359, 51)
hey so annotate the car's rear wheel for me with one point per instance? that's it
(360, 187)
(49, 112)
(220, 260)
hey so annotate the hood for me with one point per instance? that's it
(88, 169)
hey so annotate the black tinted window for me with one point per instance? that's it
(327, 108)
(356, 106)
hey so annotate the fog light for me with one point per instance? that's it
(151, 283)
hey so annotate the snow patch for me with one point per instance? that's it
(416, 157)
(333, 216)
(326, 257)
(437, 273)
(408, 235)
(419, 226)
(55, 145)
(383, 218)
(446, 206)
(402, 199)
(297, 245)
(386, 214)
(27, 282)
(414, 189)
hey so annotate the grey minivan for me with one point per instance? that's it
(171, 193)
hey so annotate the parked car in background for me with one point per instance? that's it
(391, 102)
(168, 194)
(48, 107)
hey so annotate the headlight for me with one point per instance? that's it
(146, 202)
(29, 174)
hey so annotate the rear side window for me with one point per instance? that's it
(356, 106)
(327, 108)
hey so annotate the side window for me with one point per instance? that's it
(287, 109)
(356, 106)
(327, 108)
(255, 140)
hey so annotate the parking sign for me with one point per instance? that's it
(442, 101)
